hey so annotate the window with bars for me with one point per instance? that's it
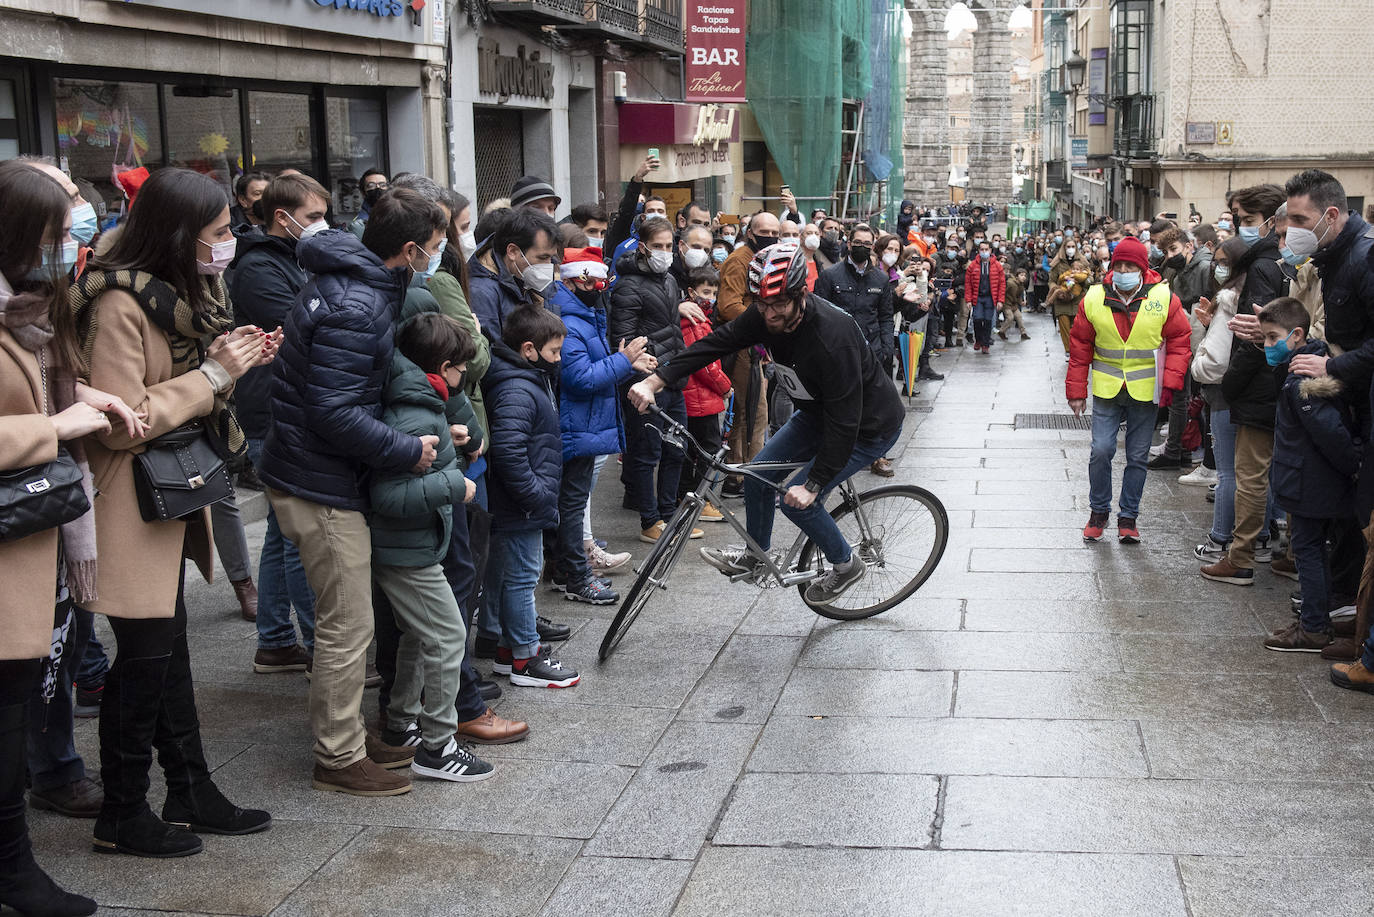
(499, 153)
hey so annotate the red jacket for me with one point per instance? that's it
(1177, 332)
(997, 279)
(707, 387)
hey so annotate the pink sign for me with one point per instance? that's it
(715, 32)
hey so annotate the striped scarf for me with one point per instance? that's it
(188, 331)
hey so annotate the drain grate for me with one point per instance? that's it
(1053, 422)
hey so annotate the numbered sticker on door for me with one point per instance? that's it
(787, 378)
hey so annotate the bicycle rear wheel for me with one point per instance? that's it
(908, 530)
(653, 575)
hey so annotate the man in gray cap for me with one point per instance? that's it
(535, 193)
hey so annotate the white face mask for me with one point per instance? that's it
(1304, 243)
(890, 259)
(659, 262)
(467, 244)
(812, 242)
(696, 257)
(314, 228)
(536, 277)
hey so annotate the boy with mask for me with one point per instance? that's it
(1120, 324)
(706, 389)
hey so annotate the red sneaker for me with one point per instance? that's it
(1126, 532)
(1097, 522)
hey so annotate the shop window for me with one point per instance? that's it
(9, 120)
(204, 132)
(103, 126)
(357, 142)
(500, 152)
(282, 130)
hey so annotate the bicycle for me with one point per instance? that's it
(899, 531)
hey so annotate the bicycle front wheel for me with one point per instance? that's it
(653, 575)
(904, 536)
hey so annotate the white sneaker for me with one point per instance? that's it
(603, 561)
(1343, 613)
(1201, 476)
(1157, 450)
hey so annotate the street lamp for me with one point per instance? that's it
(1075, 68)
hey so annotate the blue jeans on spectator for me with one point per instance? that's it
(1108, 413)
(1307, 540)
(1224, 448)
(574, 489)
(645, 451)
(798, 441)
(508, 612)
(52, 757)
(281, 585)
(93, 664)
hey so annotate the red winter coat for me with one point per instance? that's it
(997, 279)
(1177, 332)
(707, 387)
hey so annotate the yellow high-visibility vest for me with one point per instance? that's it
(1130, 362)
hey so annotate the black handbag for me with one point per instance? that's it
(41, 497)
(179, 474)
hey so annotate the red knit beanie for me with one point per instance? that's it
(1131, 250)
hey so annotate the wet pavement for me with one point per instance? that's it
(1045, 728)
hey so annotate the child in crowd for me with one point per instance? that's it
(1316, 459)
(706, 389)
(410, 522)
(589, 412)
(526, 464)
(1016, 295)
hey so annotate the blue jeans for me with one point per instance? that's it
(91, 668)
(508, 612)
(1107, 417)
(1307, 537)
(281, 585)
(1224, 448)
(798, 441)
(644, 450)
(574, 489)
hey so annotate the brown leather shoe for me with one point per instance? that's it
(490, 729)
(391, 757)
(1223, 571)
(247, 594)
(882, 467)
(361, 778)
(1353, 675)
(1343, 627)
(78, 799)
(1342, 649)
(291, 658)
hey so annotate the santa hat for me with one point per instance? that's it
(583, 261)
(1131, 251)
(131, 181)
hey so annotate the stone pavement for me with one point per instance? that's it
(1046, 728)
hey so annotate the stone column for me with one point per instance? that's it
(925, 122)
(991, 133)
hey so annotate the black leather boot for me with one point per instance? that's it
(24, 886)
(128, 719)
(193, 800)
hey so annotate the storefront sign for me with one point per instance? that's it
(405, 21)
(679, 163)
(375, 7)
(1078, 147)
(1097, 87)
(504, 76)
(715, 32)
(659, 123)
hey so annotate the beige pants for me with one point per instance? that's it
(1013, 314)
(965, 310)
(336, 552)
(1254, 451)
(739, 379)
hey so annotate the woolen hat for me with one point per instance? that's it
(1132, 251)
(528, 189)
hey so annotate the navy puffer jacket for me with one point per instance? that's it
(525, 453)
(328, 378)
(1316, 446)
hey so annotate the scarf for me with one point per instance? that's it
(26, 317)
(188, 331)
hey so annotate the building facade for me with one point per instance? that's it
(317, 85)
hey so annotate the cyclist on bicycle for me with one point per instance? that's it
(848, 413)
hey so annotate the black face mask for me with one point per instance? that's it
(1176, 262)
(371, 197)
(759, 243)
(549, 366)
(831, 235)
(860, 253)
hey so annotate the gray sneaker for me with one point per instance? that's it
(731, 559)
(834, 583)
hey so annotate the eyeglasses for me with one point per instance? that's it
(376, 186)
(765, 307)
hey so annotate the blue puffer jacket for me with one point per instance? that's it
(525, 454)
(328, 377)
(588, 408)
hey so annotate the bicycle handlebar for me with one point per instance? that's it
(716, 464)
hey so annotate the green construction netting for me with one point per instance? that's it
(805, 57)
(883, 114)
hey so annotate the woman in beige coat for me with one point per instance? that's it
(39, 369)
(157, 328)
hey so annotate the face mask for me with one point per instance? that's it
(221, 253)
(318, 226)
(1156, 253)
(370, 198)
(696, 257)
(1058, 239)
(985, 255)
(1126, 283)
(1249, 234)
(719, 255)
(728, 237)
(84, 224)
(659, 262)
(1222, 272)
(1291, 259)
(1070, 252)
(536, 277)
(952, 254)
(758, 243)
(595, 241)
(1223, 224)
(812, 242)
(889, 259)
(1278, 354)
(930, 240)
(434, 260)
(1304, 242)
(832, 235)
(62, 264)
(549, 366)
(860, 254)
(707, 301)
(1020, 250)
(1144, 235)
(467, 243)
(1176, 262)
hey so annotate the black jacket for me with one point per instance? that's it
(1250, 386)
(1195, 280)
(1316, 447)
(834, 376)
(643, 302)
(1348, 298)
(263, 288)
(1264, 277)
(867, 297)
(328, 378)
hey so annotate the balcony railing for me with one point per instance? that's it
(1134, 137)
(660, 22)
(1056, 174)
(616, 18)
(555, 12)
